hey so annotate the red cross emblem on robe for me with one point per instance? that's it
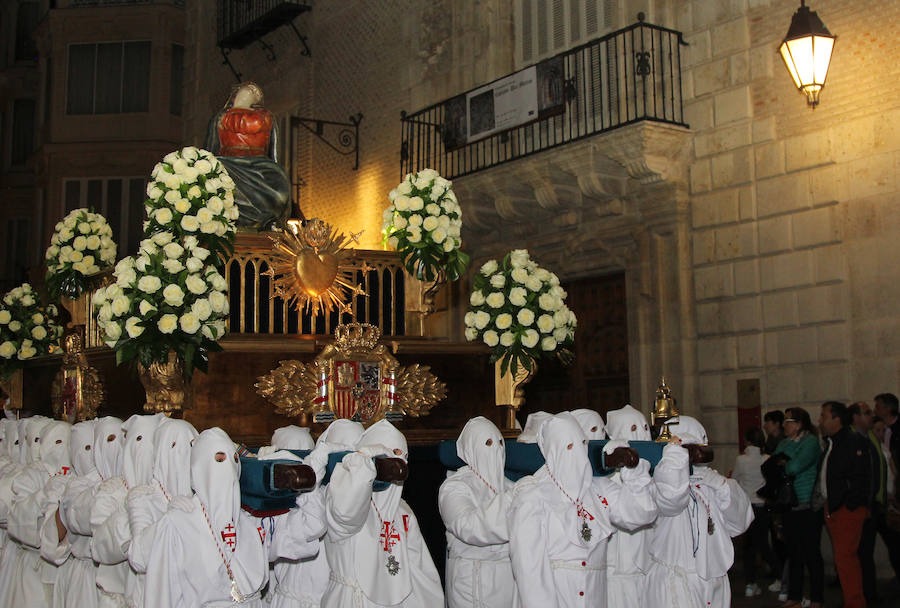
(64, 471)
(229, 537)
(389, 536)
(262, 534)
(584, 513)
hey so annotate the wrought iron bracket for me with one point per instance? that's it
(226, 61)
(305, 52)
(346, 139)
(268, 49)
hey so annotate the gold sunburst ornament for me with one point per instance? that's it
(306, 268)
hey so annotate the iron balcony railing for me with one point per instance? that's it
(80, 3)
(241, 22)
(627, 76)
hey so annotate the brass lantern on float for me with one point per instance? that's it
(806, 51)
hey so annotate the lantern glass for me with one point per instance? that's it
(806, 52)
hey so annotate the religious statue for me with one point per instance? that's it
(243, 136)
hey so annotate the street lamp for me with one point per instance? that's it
(806, 50)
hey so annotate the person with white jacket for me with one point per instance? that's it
(474, 502)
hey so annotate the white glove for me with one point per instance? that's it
(710, 477)
(375, 450)
(613, 444)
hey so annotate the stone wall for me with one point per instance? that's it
(793, 210)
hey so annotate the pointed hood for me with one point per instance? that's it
(385, 437)
(564, 446)
(33, 428)
(108, 443)
(138, 449)
(55, 453)
(533, 427)
(215, 475)
(174, 440)
(292, 437)
(480, 446)
(591, 423)
(689, 430)
(22, 427)
(342, 432)
(5, 425)
(11, 441)
(627, 424)
(81, 448)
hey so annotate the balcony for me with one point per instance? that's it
(628, 76)
(243, 22)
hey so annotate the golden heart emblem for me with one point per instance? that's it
(315, 272)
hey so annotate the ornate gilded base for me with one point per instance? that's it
(77, 391)
(166, 387)
(12, 386)
(509, 390)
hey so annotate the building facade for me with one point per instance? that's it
(756, 244)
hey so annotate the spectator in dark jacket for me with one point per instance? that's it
(773, 425)
(846, 484)
(887, 407)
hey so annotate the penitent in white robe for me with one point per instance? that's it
(690, 565)
(187, 564)
(474, 502)
(355, 539)
(554, 565)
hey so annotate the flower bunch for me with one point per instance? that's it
(191, 194)
(27, 329)
(518, 309)
(423, 224)
(81, 246)
(170, 297)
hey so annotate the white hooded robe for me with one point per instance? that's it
(692, 549)
(554, 563)
(368, 531)
(474, 502)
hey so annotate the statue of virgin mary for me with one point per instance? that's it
(243, 136)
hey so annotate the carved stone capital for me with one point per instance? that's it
(650, 152)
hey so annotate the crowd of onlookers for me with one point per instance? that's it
(842, 473)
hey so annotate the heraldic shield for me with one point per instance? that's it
(354, 378)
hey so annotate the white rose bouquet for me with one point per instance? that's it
(191, 194)
(171, 296)
(423, 224)
(80, 247)
(27, 329)
(518, 309)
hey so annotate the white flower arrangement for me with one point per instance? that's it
(172, 296)
(423, 224)
(518, 309)
(27, 329)
(191, 194)
(80, 247)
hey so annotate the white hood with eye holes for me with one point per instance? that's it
(81, 448)
(174, 441)
(627, 424)
(33, 428)
(487, 461)
(591, 423)
(137, 452)
(108, 446)
(55, 453)
(217, 482)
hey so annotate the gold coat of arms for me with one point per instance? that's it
(354, 378)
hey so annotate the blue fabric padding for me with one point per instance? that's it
(258, 491)
(525, 458)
